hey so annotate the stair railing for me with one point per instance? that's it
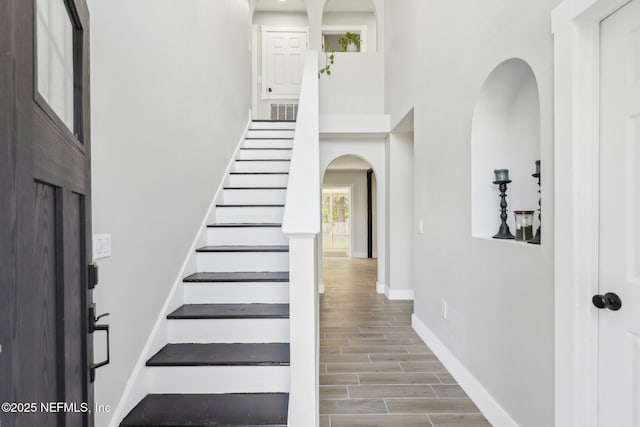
(301, 223)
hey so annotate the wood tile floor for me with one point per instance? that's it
(374, 369)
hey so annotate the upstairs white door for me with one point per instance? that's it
(282, 62)
(619, 258)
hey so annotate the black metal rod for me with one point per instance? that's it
(370, 213)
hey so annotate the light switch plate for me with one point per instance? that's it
(101, 246)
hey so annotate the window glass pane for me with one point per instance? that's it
(55, 58)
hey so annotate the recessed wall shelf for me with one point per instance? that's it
(505, 135)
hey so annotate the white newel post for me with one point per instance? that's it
(303, 294)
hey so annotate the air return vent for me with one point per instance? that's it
(284, 111)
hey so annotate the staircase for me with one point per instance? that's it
(227, 360)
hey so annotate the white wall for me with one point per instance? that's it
(400, 219)
(162, 139)
(357, 180)
(499, 294)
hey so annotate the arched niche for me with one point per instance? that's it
(355, 16)
(505, 135)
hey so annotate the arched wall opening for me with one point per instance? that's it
(505, 135)
(354, 16)
(370, 153)
(349, 208)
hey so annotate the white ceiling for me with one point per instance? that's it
(331, 6)
(349, 163)
(349, 6)
(280, 6)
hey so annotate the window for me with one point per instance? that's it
(55, 59)
(331, 34)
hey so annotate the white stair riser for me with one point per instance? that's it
(254, 196)
(242, 261)
(267, 180)
(257, 214)
(218, 379)
(228, 330)
(246, 236)
(270, 134)
(264, 154)
(268, 143)
(237, 293)
(273, 125)
(261, 166)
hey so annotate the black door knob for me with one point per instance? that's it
(270, 90)
(608, 300)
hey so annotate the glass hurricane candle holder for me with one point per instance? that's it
(524, 225)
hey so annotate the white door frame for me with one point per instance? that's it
(264, 31)
(576, 29)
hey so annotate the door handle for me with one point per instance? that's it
(270, 90)
(609, 300)
(93, 327)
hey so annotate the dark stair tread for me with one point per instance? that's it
(245, 276)
(228, 248)
(258, 173)
(246, 225)
(231, 311)
(265, 148)
(249, 206)
(263, 160)
(272, 354)
(210, 410)
(275, 139)
(254, 188)
(272, 121)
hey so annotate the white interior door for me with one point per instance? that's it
(619, 260)
(283, 59)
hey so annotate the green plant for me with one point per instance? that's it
(349, 38)
(328, 62)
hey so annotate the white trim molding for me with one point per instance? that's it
(380, 287)
(490, 408)
(576, 30)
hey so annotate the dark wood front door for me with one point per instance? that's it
(45, 230)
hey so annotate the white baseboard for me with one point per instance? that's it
(137, 385)
(398, 294)
(321, 288)
(359, 255)
(380, 287)
(491, 409)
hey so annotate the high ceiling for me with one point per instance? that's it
(280, 6)
(331, 6)
(349, 6)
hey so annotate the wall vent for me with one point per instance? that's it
(284, 111)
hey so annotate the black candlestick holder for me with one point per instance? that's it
(536, 238)
(503, 231)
